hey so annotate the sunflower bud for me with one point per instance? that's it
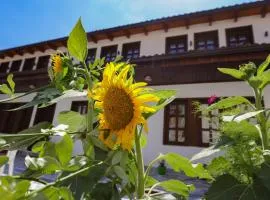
(249, 69)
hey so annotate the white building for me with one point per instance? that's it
(180, 52)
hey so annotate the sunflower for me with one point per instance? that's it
(122, 103)
(57, 63)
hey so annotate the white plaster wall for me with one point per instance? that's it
(154, 42)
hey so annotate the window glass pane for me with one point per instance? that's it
(172, 122)
(181, 136)
(173, 109)
(205, 137)
(205, 123)
(181, 122)
(181, 109)
(172, 135)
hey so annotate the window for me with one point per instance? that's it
(15, 66)
(176, 44)
(131, 50)
(175, 123)
(29, 64)
(91, 56)
(182, 126)
(79, 106)
(43, 62)
(109, 53)
(4, 67)
(239, 36)
(209, 127)
(206, 40)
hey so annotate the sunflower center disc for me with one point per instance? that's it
(118, 108)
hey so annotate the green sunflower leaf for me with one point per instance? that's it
(77, 42)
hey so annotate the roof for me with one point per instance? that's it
(207, 16)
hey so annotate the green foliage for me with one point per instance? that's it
(74, 120)
(233, 72)
(77, 42)
(227, 187)
(13, 189)
(3, 160)
(243, 171)
(24, 138)
(229, 102)
(98, 172)
(10, 88)
(165, 97)
(177, 187)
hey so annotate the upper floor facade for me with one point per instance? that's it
(227, 27)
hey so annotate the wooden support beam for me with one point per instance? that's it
(109, 36)
(93, 38)
(235, 16)
(11, 53)
(2, 55)
(210, 20)
(165, 27)
(32, 50)
(127, 33)
(20, 52)
(145, 31)
(187, 23)
(263, 11)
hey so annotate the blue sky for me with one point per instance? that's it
(29, 21)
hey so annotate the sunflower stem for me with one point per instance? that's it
(140, 165)
(90, 108)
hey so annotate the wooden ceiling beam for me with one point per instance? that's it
(210, 20)
(93, 38)
(165, 27)
(235, 16)
(109, 36)
(2, 55)
(263, 11)
(11, 53)
(127, 33)
(187, 23)
(145, 31)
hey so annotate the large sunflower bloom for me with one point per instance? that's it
(122, 103)
(57, 63)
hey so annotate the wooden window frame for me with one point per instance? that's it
(110, 49)
(166, 127)
(193, 127)
(207, 34)
(133, 46)
(248, 30)
(176, 40)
